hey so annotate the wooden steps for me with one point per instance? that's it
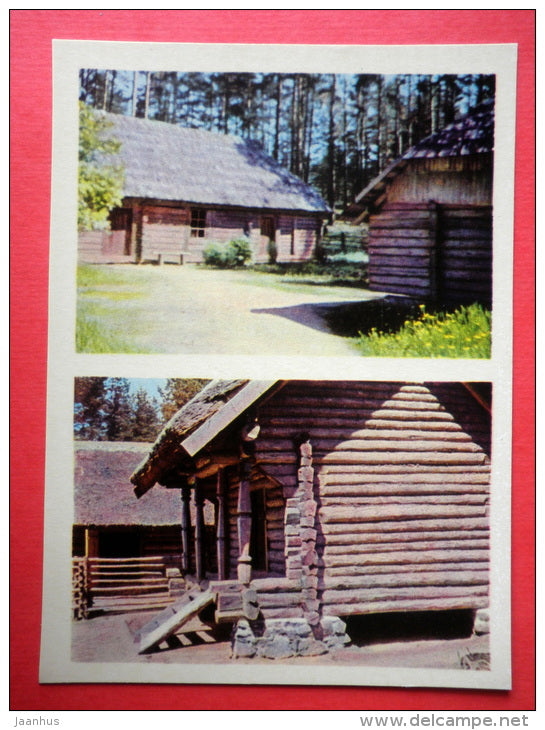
(165, 624)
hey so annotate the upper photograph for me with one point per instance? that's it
(285, 214)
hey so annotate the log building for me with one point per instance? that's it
(430, 215)
(332, 499)
(185, 188)
(126, 554)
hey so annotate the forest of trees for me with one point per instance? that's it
(336, 131)
(108, 409)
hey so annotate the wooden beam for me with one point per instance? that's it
(199, 532)
(226, 415)
(220, 528)
(185, 527)
(209, 465)
(244, 524)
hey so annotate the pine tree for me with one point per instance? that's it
(336, 131)
(145, 419)
(89, 395)
(118, 414)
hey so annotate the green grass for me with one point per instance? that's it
(100, 290)
(92, 336)
(463, 333)
(89, 276)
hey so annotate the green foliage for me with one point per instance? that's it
(272, 251)
(464, 333)
(106, 410)
(316, 273)
(117, 410)
(100, 185)
(335, 131)
(89, 394)
(145, 420)
(112, 409)
(228, 255)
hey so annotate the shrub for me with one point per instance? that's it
(272, 251)
(227, 255)
(242, 251)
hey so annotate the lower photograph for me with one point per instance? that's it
(282, 523)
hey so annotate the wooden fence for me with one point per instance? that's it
(344, 241)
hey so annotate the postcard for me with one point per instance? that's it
(279, 386)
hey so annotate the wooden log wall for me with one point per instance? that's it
(161, 540)
(401, 250)
(441, 252)
(274, 517)
(465, 254)
(90, 245)
(164, 231)
(296, 238)
(402, 491)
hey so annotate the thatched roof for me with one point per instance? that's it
(194, 426)
(167, 162)
(103, 494)
(473, 134)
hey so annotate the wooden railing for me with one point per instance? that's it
(115, 585)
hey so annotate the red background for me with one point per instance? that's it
(31, 35)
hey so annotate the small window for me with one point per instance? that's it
(198, 222)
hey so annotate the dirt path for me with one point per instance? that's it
(111, 638)
(200, 311)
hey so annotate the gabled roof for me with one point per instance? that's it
(473, 134)
(167, 162)
(195, 425)
(103, 494)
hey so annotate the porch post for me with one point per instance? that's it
(199, 532)
(244, 523)
(220, 533)
(186, 525)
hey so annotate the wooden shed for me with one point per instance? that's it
(430, 215)
(185, 188)
(332, 499)
(126, 554)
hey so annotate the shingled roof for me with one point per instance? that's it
(473, 134)
(167, 162)
(103, 493)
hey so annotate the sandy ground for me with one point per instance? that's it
(112, 639)
(203, 311)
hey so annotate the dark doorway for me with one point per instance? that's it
(258, 536)
(119, 544)
(119, 240)
(267, 228)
